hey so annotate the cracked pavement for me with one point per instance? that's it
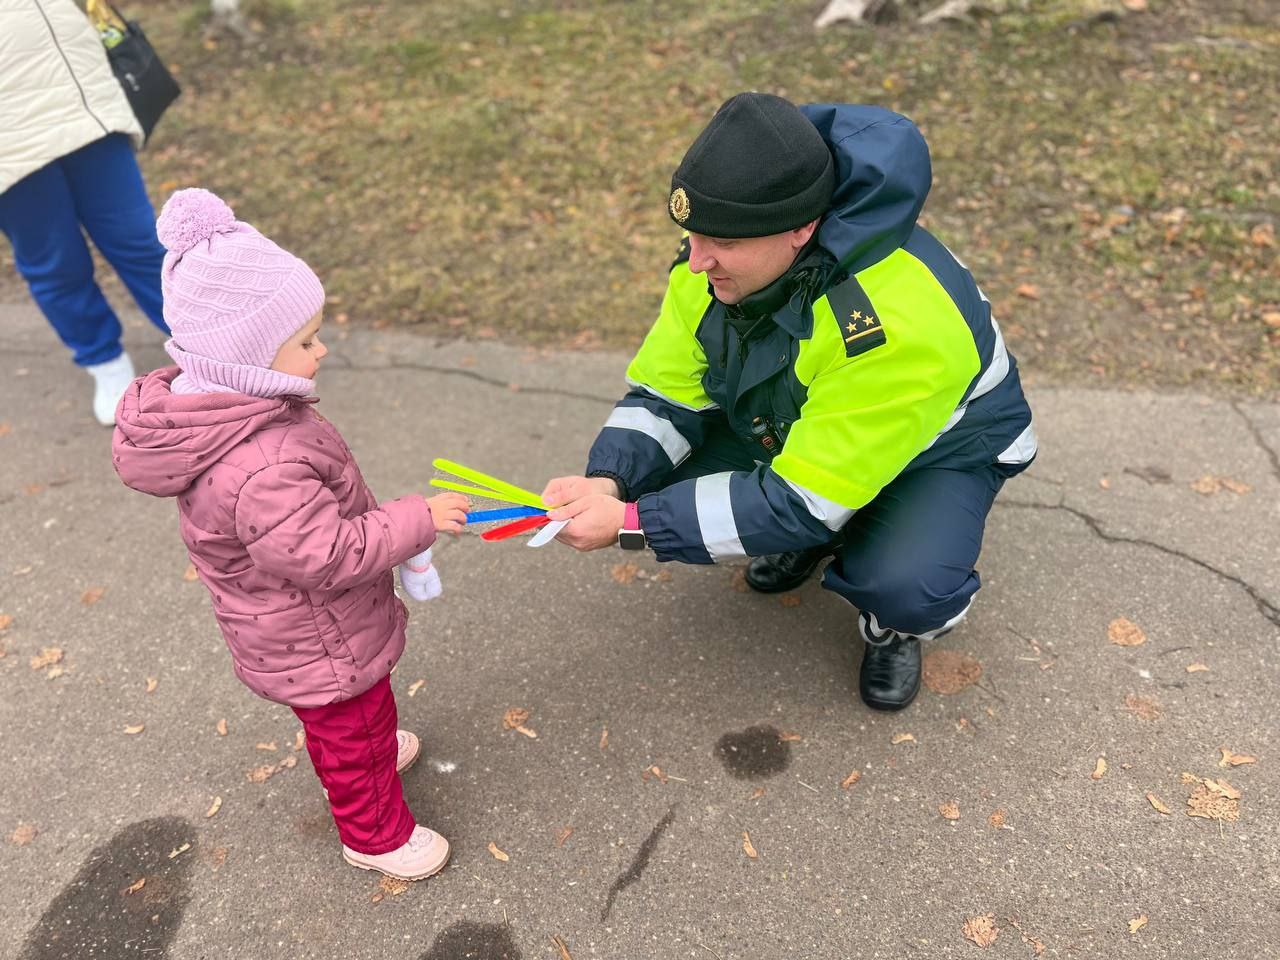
(623, 676)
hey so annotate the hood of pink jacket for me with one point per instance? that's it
(164, 440)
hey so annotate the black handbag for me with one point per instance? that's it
(147, 82)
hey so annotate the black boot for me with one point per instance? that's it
(780, 572)
(889, 678)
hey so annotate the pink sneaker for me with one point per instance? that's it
(423, 854)
(407, 749)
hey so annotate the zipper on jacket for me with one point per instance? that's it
(74, 79)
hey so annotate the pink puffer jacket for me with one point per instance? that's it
(295, 550)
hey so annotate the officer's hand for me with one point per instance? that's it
(594, 520)
(568, 489)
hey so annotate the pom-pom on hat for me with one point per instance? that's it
(231, 299)
(758, 168)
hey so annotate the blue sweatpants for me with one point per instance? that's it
(98, 187)
(907, 559)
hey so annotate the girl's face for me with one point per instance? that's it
(301, 354)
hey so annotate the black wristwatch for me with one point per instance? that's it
(631, 536)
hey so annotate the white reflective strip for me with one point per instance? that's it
(868, 622)
(715, 516)
(991, 378)
(665, 399)
(1022, 449)
(996, 369)
(674, 445)
(933, 634)
(832, 515)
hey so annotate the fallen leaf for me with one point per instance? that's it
(217, 856)
(214, 807)
(1099, 769)
(604, 738)
(1156, 802)
(190, 573)
(788, 736)
(1028, 291)
(653, 772)
(1196, 668)
(514, 717)
(31, 489)
(1213, 800)
(23, 834)
(1145, 708)
(663, 576)
(563, 835)
(531, 734)
(738, 581)
(178, 851)
(92, 595)
(138, 728)
(747, 847)
(135, 886)
(497, 854)
(393, 886)
(950, 810)
(1125, 633)
(415, 686)
(756, 794)
(152, 683)
(54, 672)
(221, 727)
(853, 777)
(1235, 486)
(1105, 483)
(562, 947)
(1136, 6)
(981, 930)
(289, 762)
(950, 671)
(5, 620)
(996, 819)
(624, 572)
(898, 738)
(789, 600)
(1137, 923)
(262, 774)
(266, 746)
(299, 741)
(4, 429)
(1230, 759)
(1206, 485)
(47, 657)
(378, 897)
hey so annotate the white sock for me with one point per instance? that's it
(112, 379)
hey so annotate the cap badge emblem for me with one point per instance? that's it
(679, 205)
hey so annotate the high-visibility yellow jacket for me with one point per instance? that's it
(876, 353)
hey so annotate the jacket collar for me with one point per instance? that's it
(787, 300)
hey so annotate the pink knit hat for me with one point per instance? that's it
(231, 298)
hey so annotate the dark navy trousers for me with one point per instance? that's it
(907, 559)
(98, 188)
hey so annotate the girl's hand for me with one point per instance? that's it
(448, 511)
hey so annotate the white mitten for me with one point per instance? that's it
(419, 578)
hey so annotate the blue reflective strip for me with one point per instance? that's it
(509, 513)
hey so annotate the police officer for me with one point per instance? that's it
(824, 379)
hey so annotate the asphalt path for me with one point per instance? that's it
(1048, 802)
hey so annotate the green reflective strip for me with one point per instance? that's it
(671, 361)
(866, 417)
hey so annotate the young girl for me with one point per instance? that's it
(295, 550)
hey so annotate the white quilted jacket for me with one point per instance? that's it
(57, 92)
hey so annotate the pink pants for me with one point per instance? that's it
(353, 747)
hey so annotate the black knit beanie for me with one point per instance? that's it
(760, 167)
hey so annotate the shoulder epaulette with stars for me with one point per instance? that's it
(682, 255)
(860, 329)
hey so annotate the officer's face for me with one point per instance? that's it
(738, 268)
